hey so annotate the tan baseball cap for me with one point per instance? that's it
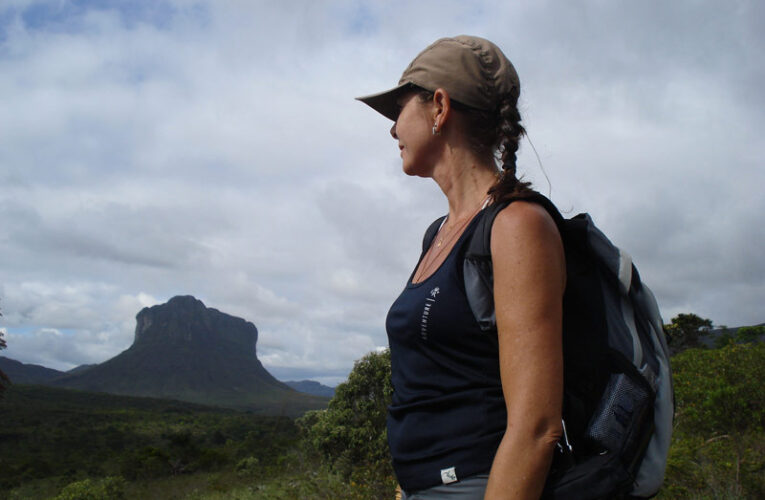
(472, 70)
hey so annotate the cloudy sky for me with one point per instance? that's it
(161, 147)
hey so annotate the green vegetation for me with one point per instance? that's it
(94, 489)
(63, 444)
(750, 333)
(51, 438)
(685, 330)
(718, 446)
(350, 435)
(724, 338)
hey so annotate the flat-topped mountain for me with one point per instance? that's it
(184, 350)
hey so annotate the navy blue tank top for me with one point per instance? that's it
(447, 414)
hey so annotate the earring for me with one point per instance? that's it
(435, 129)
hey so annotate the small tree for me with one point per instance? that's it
(4, 380)
(724, 338)
(351, 432)
(747, 334)
(685, 330)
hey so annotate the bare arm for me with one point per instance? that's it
(529, 279)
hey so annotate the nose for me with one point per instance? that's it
(393, 131)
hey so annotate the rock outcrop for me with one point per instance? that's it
(186, 351)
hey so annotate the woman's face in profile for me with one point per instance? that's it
(413, 131)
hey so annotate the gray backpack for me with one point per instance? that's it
(618, 396)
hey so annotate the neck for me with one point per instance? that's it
(465, 182)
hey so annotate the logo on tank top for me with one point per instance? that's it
(429, 301)
(448, 475)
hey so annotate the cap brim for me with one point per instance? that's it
(386, 103)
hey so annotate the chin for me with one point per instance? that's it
(415, 171)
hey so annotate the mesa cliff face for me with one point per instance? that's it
(184, 320)
(186, 351)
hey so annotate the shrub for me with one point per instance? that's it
(247, 467)
(750, 333)
(109, 488)
(148, 462)
(685, 330)
(720, 391)
(718, 448)
(4, 380)
(209, 458)
(351, 432)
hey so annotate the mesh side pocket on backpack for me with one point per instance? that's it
(618, 421)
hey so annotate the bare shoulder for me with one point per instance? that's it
(524, 221)
(526, 245)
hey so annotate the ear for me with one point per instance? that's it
(442, 108)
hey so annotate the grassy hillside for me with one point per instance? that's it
(51, 437)
(66, 444)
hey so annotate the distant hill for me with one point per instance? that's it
(23, 373)
(311, 387)
(81, 368)
(711, 336)
(27, 373)
(185, 351)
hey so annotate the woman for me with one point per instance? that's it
(474, 413)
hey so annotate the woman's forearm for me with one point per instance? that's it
(521, 464)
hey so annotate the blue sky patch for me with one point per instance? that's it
(361, 20)
(67, 16)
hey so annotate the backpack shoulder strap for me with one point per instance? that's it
(480, 244)
(477, 270)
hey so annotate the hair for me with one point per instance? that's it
(494, 135)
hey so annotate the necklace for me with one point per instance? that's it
(443, 242)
